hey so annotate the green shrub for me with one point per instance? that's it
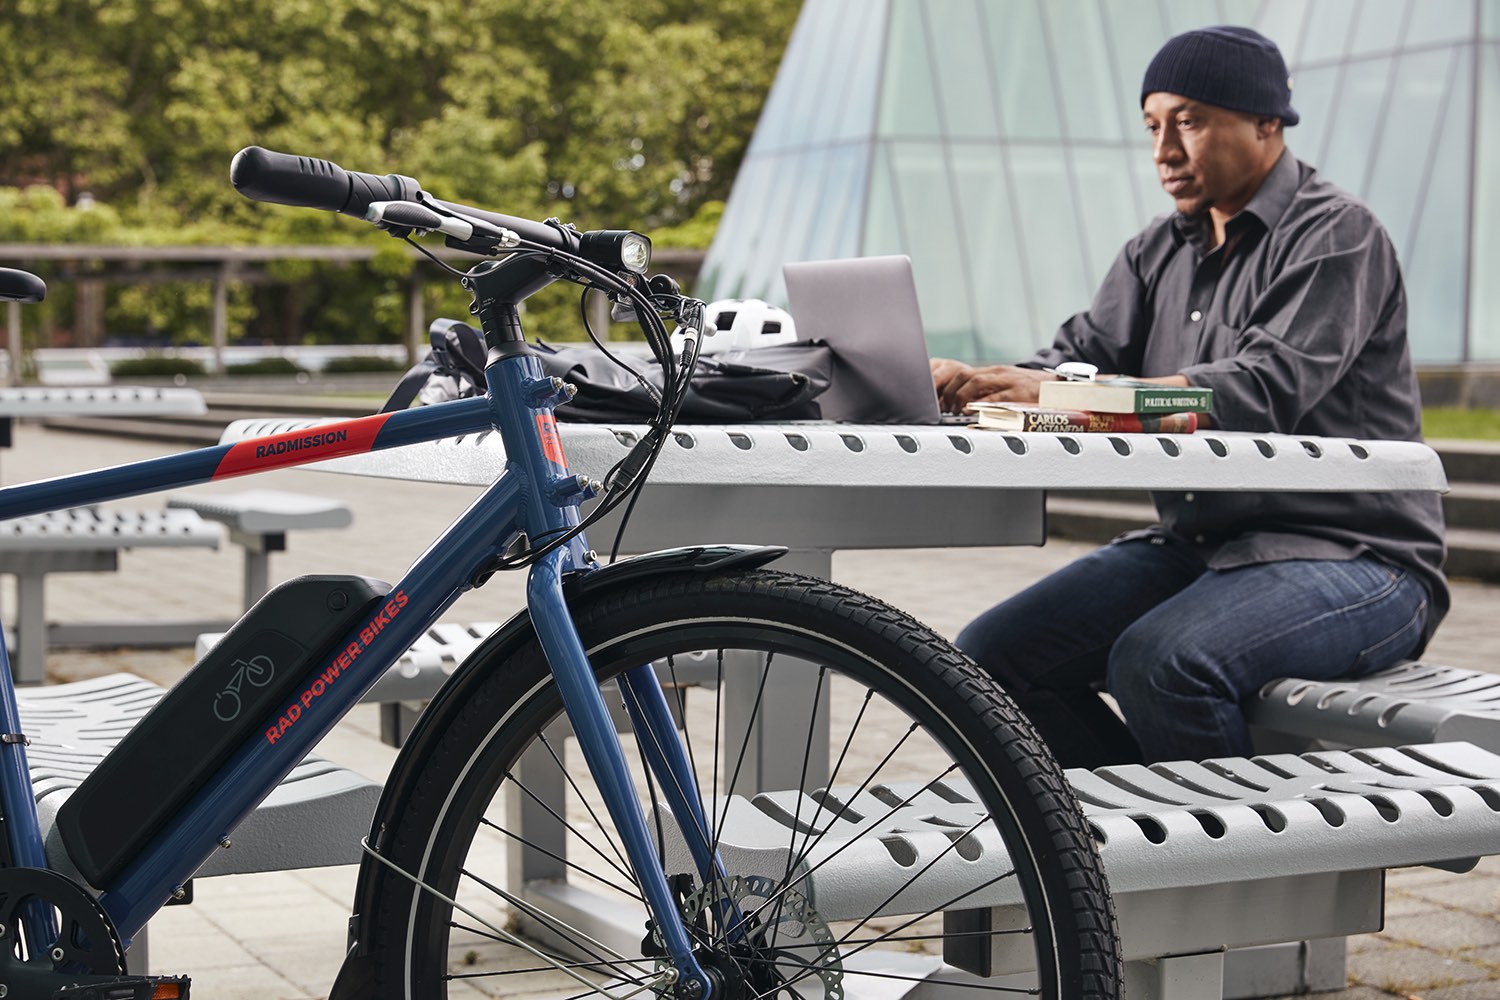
(264, 366)
(362, 363)
(154, 365)
(1459, 422)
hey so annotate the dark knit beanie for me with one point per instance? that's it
(1230, 67)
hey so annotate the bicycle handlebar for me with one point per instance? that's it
(308, 182)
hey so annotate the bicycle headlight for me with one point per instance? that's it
(617, 249)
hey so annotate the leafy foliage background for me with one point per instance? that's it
(604, 114)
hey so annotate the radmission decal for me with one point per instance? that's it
(313, 444)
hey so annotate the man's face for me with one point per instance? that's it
(1206, 156)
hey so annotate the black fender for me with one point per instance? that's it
(356, 977)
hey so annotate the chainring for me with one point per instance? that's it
(87, 942)
(796, 934)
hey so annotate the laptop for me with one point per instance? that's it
(866, 309)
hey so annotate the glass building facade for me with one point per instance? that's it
(998, 143)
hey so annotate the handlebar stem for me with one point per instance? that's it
(497, 287)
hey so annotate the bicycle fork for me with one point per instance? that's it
(651, 716)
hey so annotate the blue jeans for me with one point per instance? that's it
(1179, 645)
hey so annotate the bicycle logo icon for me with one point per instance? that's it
(257, 671)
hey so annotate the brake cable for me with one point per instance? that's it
(628, 475)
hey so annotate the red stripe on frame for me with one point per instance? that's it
(347, 437)
(546, 428)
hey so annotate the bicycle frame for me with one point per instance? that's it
(536, 494)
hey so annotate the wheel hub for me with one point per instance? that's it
(755, 938)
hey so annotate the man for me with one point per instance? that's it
(1282, 294)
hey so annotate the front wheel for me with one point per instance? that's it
(862, 779)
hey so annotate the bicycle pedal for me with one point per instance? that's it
(126, 988)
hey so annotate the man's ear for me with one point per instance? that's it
(1267, 127)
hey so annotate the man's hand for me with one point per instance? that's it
(944, 369)
(958, 384)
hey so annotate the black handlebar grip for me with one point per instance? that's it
(307, 182)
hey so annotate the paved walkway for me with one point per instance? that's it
(282, 934)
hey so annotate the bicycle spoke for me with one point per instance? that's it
(580, 966)
(718, 714)
(946, 935)
(1030, 991)
(812, 728)
(844, 956)
(760, 692)
(661, 834)
(558, 857)
(815, 837)
(661, 979)
(504, 934)
(682, 713)
(781, 892)
(893, 721)
(603, 827)
(812, 823)
(568, 826)
(656, 741)
(571, 934)
(908, 883)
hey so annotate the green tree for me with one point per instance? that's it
(602, 114)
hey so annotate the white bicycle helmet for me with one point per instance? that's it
(742, 324)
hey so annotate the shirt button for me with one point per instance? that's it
(1195, 315)
(1188, 497)
(1199, 539)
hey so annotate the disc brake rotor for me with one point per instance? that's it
(783, 944)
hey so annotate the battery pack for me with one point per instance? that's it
(163, 762)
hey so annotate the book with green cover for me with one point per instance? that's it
(1125, 395)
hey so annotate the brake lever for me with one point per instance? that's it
(661, 289)
(621, 309)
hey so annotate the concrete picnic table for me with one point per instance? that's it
(819, 487)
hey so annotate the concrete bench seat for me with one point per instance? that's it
(1201, 857)
(258, 521)
(313, 818)
(1412, 702)
(86, 540)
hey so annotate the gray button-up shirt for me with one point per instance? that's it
(1298, 323)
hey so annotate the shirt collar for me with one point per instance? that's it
(1276, 192)
(1267, 205)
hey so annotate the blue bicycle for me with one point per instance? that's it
(786, 787)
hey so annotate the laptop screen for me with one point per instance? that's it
(866, 309)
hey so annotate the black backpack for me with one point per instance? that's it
(763, 383)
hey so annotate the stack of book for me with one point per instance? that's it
(1111, 406)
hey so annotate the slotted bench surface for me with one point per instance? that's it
(92, 528)
(1412, 702)
(315, 817)
(1163, 826)
(1202, 858)
(85, 540)
(115, 400)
